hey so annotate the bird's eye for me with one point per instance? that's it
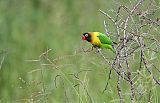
(86, 35)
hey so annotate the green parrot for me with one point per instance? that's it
(99, 40)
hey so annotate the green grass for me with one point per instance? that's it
(29, 28)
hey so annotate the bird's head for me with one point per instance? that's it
(86, 36)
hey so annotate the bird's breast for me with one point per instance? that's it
(95, 40)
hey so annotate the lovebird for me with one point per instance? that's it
(99, 40)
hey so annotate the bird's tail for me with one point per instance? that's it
(111, 47)
(113, 50)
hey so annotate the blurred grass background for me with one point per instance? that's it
(29, 27)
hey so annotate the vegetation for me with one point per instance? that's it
(42, 57)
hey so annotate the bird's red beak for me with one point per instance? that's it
(83, 37)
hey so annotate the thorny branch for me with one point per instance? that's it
(125, 48)
(119, 89)
(131, 40)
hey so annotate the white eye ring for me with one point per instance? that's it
(86, 35)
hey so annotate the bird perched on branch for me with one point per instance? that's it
(99, 40)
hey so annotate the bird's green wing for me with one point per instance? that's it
(104, 39)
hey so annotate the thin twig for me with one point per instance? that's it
(2, 61)
(109, 77)
(119, 89)
(105, 25)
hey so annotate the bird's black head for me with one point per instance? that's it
(86, 36)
